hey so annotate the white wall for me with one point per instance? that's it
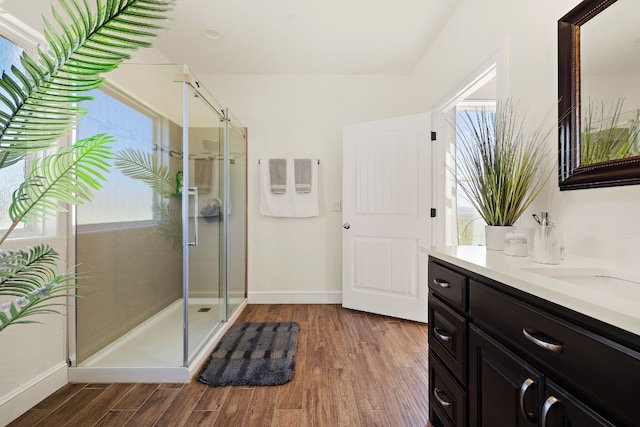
(600, 223)
(299, 259)
(33, 357)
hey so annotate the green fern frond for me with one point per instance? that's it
(169, 226)
(26, 270)
(28, 276)
(42, 100)
(69, 176)
(8, 158)
(38, 301)
(144, 167)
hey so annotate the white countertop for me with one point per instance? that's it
(599, 289)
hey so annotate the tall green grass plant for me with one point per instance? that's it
(501, 167)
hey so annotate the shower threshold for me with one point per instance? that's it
(152, 352)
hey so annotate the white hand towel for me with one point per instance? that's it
(290, 204)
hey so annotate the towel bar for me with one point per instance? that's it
(259, 161)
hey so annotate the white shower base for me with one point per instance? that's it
(153, 352)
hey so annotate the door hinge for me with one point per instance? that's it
(433, 212)
(433, 136)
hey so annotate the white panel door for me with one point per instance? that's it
(386, 196)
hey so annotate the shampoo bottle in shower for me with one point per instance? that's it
(179, 178)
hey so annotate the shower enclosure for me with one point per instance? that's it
(162, 249)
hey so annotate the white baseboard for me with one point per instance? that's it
(175, 374)
(28, 395)
(295, 297)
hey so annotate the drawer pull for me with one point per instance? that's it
(548, 404)
(441, 401)
(524, 388)
(441, 283)
(442, 334)
(530, 335)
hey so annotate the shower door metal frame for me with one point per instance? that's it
(191, 83)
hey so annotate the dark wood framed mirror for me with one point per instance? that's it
(599, 84)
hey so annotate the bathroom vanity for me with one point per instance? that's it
(515, 343)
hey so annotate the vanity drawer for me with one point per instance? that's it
(448, 337)
(448, 285)
(601, 371)
(446, 398)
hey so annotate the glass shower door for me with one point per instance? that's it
(236, 136)
(203, 166)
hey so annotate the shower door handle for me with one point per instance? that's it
(194, 192)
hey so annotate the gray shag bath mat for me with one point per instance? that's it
(253, 354)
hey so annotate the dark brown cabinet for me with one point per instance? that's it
(504, 390)
(561, 409)
(448, 338)
(501, 357)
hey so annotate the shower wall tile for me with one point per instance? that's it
(130, 275)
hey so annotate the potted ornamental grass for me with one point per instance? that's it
(501, 165)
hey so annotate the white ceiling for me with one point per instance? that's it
(291, 36)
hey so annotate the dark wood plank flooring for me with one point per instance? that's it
(352, 369)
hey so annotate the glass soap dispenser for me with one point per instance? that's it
(547, 241)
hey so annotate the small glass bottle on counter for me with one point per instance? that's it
(515, 244)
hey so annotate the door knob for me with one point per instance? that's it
(346, 226)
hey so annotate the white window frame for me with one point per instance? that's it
(444, 191)
(461, 107)
(28, 39)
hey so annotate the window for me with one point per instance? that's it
(121, 200)
(470, 224)
(14, 175)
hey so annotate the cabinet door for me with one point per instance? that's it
(561, 409)
(447, 401)
(504, 391)
(606, 373)
(448, 337)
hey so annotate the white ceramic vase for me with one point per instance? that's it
(494, 236)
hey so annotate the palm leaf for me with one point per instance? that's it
(41, 101)
(29, 277)
(69, 176)
(144, 167)
(8, 158)
(38, 106)
(169, 226)
(25, 270)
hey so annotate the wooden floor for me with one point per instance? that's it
(352, 369)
